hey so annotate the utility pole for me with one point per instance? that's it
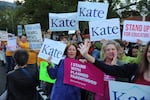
(144, 13)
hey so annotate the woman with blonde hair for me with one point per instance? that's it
(137, 73)
(110, 48)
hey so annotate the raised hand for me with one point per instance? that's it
(84, 48)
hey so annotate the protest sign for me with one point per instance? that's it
(128, 91)
(52, 48)
(105, 29)
(3, 36)
(85, 76)
(71, 32)
(12, 44)
(63, 21)
(34, 36)
(133, 30)
(44, 74)
(92, 11)
(19, 29)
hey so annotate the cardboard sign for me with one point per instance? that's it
(34, 36)
(85, 76)
(44, 74)
(54, 49)
(19, 29)
(71, 32)
(105, 29)
(12, 44)
(133, 30)
(128, 91)
(3, 36)
(63, 21)
(92, 11)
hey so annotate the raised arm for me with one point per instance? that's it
(121, 71)
(84, 48)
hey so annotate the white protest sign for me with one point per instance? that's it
(71, 32)
(63, 21)
(104, 29)
(34, 35)
(90, 11)
(3, 36)
(52, 48)
(133, 30)
(12, 44)
(128, 91)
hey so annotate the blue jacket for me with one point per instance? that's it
(61, 91)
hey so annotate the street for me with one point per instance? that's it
(2, 78)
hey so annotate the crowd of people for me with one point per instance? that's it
(119, 60)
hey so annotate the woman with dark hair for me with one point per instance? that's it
(137, 73)
(60, 90)
(22, 81)
(133, 51)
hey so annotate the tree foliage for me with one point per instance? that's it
(36, 11)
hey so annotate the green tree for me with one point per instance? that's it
(7, 19)
(36, 11)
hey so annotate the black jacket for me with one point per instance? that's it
(20, 86)
(129, 71)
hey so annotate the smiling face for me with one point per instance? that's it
(109, 51)
(71, 51)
